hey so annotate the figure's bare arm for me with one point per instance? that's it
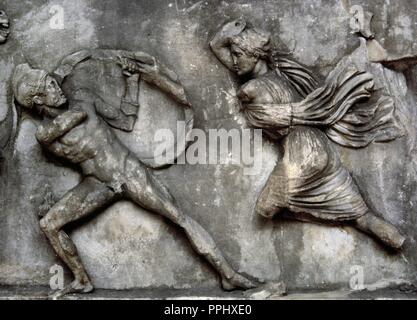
(153, 72)
(59, 126)
(220, 44)
(246, 93)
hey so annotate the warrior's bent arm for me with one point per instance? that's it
(220, 44)
(62, 124)
(220, 48)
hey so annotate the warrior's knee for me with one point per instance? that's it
(46, 225)
(266, 210)
(43, 223)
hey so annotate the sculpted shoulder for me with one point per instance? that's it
(256, 91)
(249, 91)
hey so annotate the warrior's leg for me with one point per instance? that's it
(384, 231)
(271, 200)
(265, 206)
(147, 192)
(79, 202)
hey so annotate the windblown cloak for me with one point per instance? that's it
(310, 177)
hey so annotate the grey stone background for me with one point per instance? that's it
(126, 247)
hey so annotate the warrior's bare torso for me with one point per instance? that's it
(91, 143)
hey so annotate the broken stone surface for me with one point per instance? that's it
(361, 25)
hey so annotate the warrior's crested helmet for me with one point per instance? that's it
(27, 83)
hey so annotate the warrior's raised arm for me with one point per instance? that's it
(154, 73)
(220, 44)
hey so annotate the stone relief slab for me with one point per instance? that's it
(86, 184)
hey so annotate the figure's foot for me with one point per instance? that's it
(74, 287)
(238, 281)
(270, 290)
(397, 241)
(384, 231)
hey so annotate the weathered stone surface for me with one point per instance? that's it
(127, 247)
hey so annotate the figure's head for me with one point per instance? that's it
(4, 27)
(248, 48)
(34, 88)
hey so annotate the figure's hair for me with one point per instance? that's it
(253, 42)
(275, 56)
(257, 43)
(27, 83)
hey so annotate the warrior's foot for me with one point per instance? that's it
(75, 287)
(270, 290)
(238, 281)
(384, 231)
